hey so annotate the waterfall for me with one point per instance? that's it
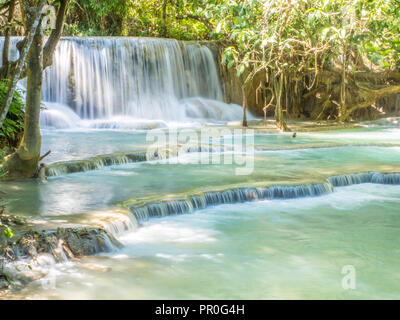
(130, 83)
(115, 221)
(121, 158)
(13, 52)
(110, 81)
(367, 177)
(205, 199)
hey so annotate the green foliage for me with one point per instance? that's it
(13, 125)
(262, 31)
(383, 20)
(7, 231)
(96, 18)
(182, 19)
(281, 35)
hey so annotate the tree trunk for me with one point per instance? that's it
(343, 106)
(279, 117)
(51, 44)
(164, 19)
(369, 97)
(244, 123)
(24, 162)
(7, 35)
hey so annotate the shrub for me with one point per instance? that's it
(13, 126)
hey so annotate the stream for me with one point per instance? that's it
(287, 244)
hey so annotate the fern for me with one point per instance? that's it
(13, 126)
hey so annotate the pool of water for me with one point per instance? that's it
(274, 249)
(84, 192)
(287, 249)
(82, 144)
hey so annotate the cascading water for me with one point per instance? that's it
(240, 195)
(120, 82)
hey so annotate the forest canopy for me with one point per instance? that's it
(371, 26)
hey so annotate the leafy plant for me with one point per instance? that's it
(13, 126)
(179, 19)
(7, 232)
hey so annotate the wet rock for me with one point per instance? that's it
(57, 246)
(31, 247)
(42, 172)
(4, 284)
(26, 277)
(87, 241)
(11, 220)
(63, 244)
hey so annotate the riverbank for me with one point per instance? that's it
(269, 125)
(32, 242)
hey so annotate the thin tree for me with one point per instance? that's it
(23, 163)
(16, 74)
(8, 31)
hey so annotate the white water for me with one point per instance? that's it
(132, 83)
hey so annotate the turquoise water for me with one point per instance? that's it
(63, 143)
(276, 249)
(291, 249)
(84, 192)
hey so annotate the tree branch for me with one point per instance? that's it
(50, 46)
(7, 35)
(371, 97)
(55, 36)
(45, 155)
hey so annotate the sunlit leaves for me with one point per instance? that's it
(273, 34)
(230, 57)
(285, 28)
(8, 232)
